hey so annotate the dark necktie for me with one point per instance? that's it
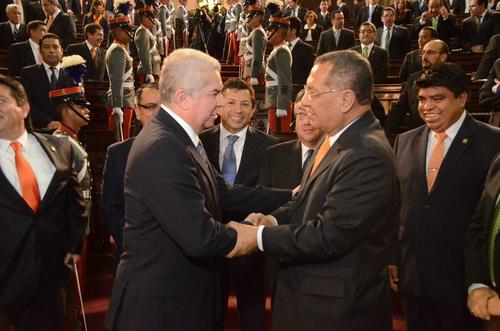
(229, 160)
(53, 78)
(310, 153)
(15, 33)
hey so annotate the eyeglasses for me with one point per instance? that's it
(311, 95)
(149, 106)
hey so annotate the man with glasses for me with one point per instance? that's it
(377, 56)
(335, 239)
(112, 199)
(435, 51)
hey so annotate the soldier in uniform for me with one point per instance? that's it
(119, 65)
(233, 14)
(243, 32)
(278, 72)
(255, 49)
(150, 60)
(71, 109)
(165, 16)
(182, 25)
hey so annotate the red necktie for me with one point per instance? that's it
(27, 179)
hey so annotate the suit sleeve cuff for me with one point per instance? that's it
(494, 89)
(475, 286)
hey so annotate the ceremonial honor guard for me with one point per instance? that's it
(255, 49)
(165, 16)
(182, 25)
(278, 72)
(234, 14)
(72, 112)
(150, 60)
(242, 34)
(119, 65)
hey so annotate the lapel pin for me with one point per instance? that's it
(465, 141)
(52, 148)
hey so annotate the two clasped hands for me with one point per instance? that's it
(246, 243)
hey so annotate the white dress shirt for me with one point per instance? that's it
(189, 130)
(49, 72)
(304, 151)
(238, 144)
(14, 26)
(451, 132)
(309, 31)
(291, 44)
(333, 139)
(36, 156)
(35, 48)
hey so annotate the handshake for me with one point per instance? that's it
(246, 242)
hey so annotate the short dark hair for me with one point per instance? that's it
(239, 84)
(482, 3)
(50, 36)
(17, 91)
(371, 25)
(432, 31)
(336, 11)
(448, 75)
(91, 28)
(138, 93)
(352, 71)
(389, 9)
(296, 23)
(33, 25)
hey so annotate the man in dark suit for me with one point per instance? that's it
(344, 8)
(343, 216)
(285, 162)
(393, 38)
(27, 52)
(371, 13)
(73, 6)
(39, 79)
(489, 94)
(418, 7)
(491, 53)
(377, 56)
(479, 27)
(112, 196)
(35, 11)
(456, 7)
(439, 18)
(482, 253)
(441, 168)
(413, 60)
(174, 200)
(324, 16)
(5, 3)
(336, 38)
(302, 53)
(39, 189)
(294, 9)
(13, 30)
(240, 162)
(90, 50)
(404, 114)
(59, 22)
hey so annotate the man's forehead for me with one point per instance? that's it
(432, 91)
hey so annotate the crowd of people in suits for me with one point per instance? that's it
(327, 223)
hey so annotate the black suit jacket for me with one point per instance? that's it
(327, 41)
(35, 11)
(329, 233)
(445, 28)
(33, 245)
(283, 165)
(7, 38)
(400, 42)
(486, 96)
(302, 62)
(325, 21)
(415, 7)
(36, 83)
(173, 233)
(491, 53)
(379, 61)
(433, 224)
(65, 28)
(301, 14)
(472, 36)
(363, 16)
(477, 266)
(96, 68)
(315, 33)
(112, 194)
(21, 55)
(411, 63)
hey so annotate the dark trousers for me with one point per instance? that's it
(424, 314)
(41, 315)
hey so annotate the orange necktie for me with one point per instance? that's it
(93, 52)
(27, 178)
(50, 20)
(323, 149)
(437, 156)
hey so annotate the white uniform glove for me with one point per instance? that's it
(254, 81)
(119, 113)
(150, 78)
(281, 113)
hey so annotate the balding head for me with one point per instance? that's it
(435, 51)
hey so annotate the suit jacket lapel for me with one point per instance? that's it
(247, 154)
(213, 147)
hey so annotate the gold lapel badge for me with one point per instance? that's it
(53, 149)
(465, 141)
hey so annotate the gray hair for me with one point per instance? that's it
(11, 6)
(53, 2)
(351, 71)
(182, 70)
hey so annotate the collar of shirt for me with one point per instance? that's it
(324, 14)
(34, 44)
(336, 136)
(89, 45)
(47, 67)
(306, 27)
(224, 133)
(482, 15)
(388, 28)
(370, 46)
(452, 131)
(13, 26)
(187, 128)
(56, 13)
(336, 30)
(23, 139)
(293, 42)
